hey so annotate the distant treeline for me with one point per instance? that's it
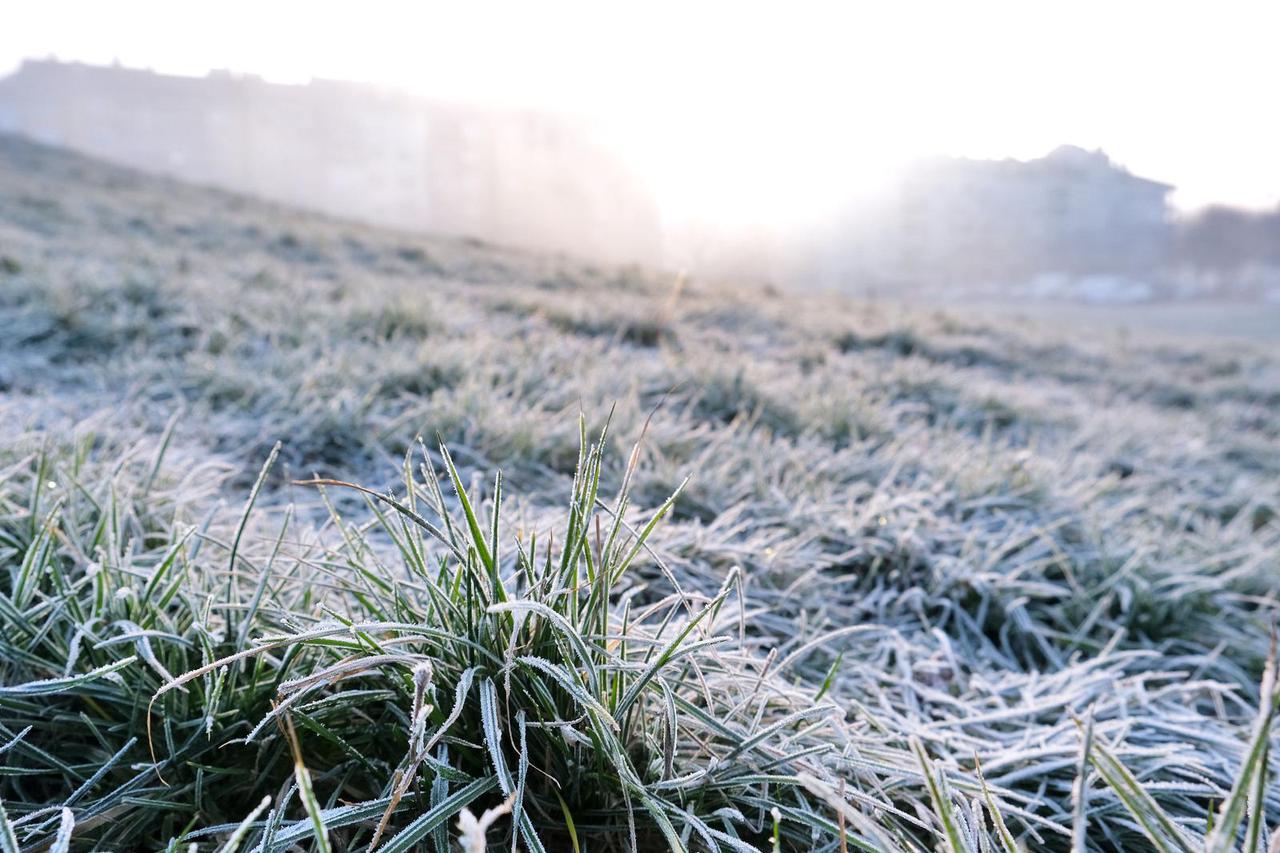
(1227, 238)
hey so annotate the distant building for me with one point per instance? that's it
(960, 222)
(517, 177)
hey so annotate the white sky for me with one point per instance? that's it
(728, 103)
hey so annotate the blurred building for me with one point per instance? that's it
(517, 177)
(961, 222)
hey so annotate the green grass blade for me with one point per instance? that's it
(1156, 823)
(1007, 844)
(50, 686)
(940, 797)
(237, 837)
(1080, 791)
(8, 839)
(1254, 769)
(423, 825)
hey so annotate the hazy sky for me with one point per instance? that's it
(731, 105)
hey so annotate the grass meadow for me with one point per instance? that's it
(316, 537)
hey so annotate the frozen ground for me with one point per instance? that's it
(1198, 322)
(991, 531)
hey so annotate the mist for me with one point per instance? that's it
(1072, 224)
(919, 151)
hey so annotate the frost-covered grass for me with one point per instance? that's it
(931, 583)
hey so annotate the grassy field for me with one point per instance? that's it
(927, 581)
(1201, 321)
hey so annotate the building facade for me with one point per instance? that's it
(960, 223)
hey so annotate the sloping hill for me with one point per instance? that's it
(986, 528)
